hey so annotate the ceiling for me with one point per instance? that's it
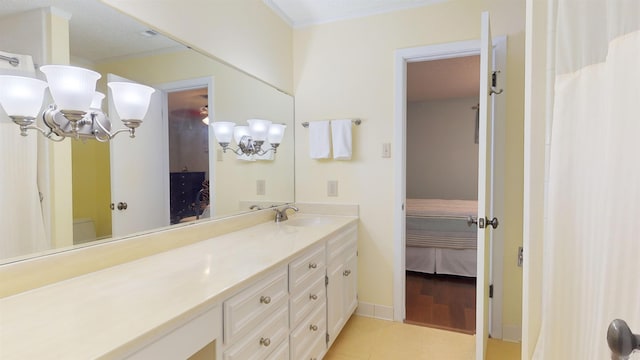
(300, 13)
(443, 79)
(96, 31)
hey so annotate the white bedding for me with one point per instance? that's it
(439, 240)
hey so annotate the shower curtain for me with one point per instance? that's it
(592, 232)
(21, 221)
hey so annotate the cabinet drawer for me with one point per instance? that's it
(281, 353)
(258, 344)
(309, 266)
(250, 307)
(304, 338)
(343, 240)
(306, 300)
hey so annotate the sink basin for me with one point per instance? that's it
(307, 221)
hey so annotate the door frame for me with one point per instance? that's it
(439, 52)
(182, 85)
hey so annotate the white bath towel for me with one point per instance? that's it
(319, 140)
(25, 66)
(341, 138)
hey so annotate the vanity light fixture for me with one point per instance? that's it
(76, 111)
(249, 138)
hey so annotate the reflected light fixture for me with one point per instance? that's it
(205, 111)
(76, 111)
(249, 138)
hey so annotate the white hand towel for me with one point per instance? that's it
(25, 66)
(341, 138)
(319, 140)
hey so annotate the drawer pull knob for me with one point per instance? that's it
(265, 342)
(265, 299)
(313, 327)
(313, 265)
(313, 297)
(346, 273)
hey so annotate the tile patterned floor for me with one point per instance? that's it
(373, 339)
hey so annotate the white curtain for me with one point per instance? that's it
(592, 240)
(21, 222)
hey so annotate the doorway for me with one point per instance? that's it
(404, 58)
(442, 192)
(188, 117)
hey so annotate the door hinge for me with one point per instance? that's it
(491, 291)
(494, 83)
(326, 280)
(327, 337)
(520, 256)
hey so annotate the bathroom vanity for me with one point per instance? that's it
(269, 291)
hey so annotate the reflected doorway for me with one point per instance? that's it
(188, 135)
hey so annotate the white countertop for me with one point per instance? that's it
(108, 312)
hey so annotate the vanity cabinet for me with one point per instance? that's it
(256, 320)
(308, 311)
(342, 287)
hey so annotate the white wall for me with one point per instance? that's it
(442, 156)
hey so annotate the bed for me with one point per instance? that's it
(439, 239)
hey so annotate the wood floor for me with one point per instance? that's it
(441, 301)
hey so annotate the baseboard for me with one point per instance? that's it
(376, 311)
(512, 333)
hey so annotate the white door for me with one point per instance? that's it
(484, 189)
(138, 175)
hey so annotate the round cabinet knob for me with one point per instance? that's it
(346, 273)
(313, 297)
(313, 265)
(265, 299)
(265, 342)
(313, 327)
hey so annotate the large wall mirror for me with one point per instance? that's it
(173, 172)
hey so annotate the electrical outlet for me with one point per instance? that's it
(332, 188)
(260, 187)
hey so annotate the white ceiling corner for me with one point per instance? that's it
(301, 13)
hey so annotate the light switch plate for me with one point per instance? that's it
(332, 188)
(386, 150)
(260, 187)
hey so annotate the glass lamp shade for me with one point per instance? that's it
(21, 96)
(239, 132)
(223, 130)
(276, 133)
(96, 102)
(259, 129)
(71, 87)
(131, 100)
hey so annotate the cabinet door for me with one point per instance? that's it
(335, 299)
(350, 283)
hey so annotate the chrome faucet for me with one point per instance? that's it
(281, 214)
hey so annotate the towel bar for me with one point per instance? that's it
(354, 121)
